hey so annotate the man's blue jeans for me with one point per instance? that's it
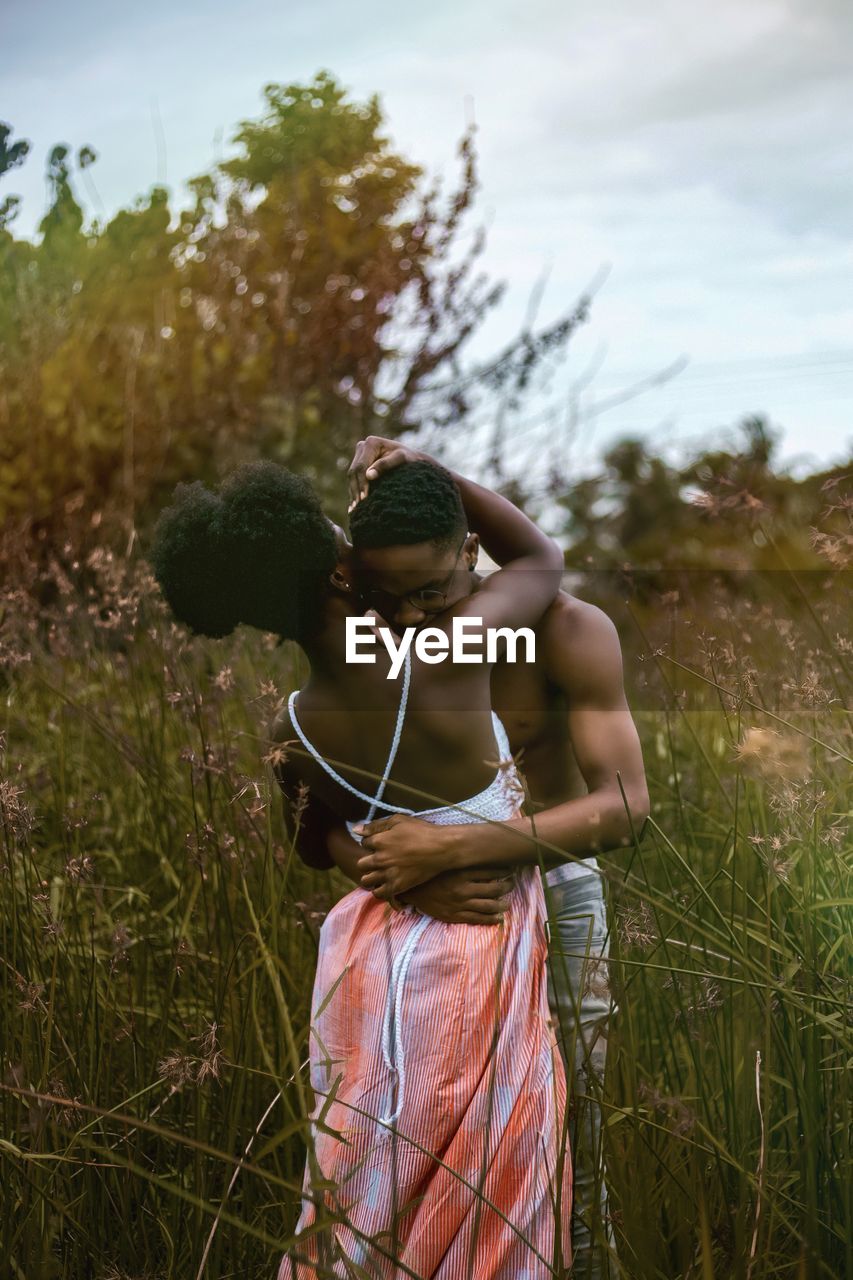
(581, 1005)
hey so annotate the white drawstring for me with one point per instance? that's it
(393, 1054)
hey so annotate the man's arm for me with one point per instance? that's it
(476, 895)
(322, 841)
(583, 658)
(505, 532)
(531, 563)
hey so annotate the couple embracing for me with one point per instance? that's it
(440, 1137)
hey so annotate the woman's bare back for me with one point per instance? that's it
(447, 748)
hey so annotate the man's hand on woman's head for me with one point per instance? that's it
(373, 456)
(478, 896)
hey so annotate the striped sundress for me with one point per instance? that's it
(438, 1140)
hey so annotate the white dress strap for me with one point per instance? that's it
(375, 800)
(398, 731)
(504, 752)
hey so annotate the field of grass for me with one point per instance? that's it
(159, 940)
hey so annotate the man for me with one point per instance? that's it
(568, 721)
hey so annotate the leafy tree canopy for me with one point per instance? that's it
(313, 290)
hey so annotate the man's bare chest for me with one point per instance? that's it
(534, 713)
(528, 706)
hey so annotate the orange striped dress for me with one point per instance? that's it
(438, 1140)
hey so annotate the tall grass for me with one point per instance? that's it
(159, 939)
(729, 1097)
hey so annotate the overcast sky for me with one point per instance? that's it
(698, 152)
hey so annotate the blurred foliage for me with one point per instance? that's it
(315, 290)
(158, 941)
(729, 509)
(726, 532)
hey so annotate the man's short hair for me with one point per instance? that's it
(415, 502)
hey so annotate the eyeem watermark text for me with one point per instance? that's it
(469, 641)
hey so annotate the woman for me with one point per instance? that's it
(440, 1096)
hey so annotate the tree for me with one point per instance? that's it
(312, 292)
(723, 508)
(10, 157)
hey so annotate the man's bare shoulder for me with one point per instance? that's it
(578, 645)
(571, 619)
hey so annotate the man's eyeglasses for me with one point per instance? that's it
(427, 599)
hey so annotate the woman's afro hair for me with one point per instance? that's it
(415, 502)
(259, 551)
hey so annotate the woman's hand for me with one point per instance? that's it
(478, 896)
(373, 456)
(401, 852)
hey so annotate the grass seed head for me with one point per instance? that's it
(765, 753)
(178, 1069)
(16, 816)
(636, 926)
